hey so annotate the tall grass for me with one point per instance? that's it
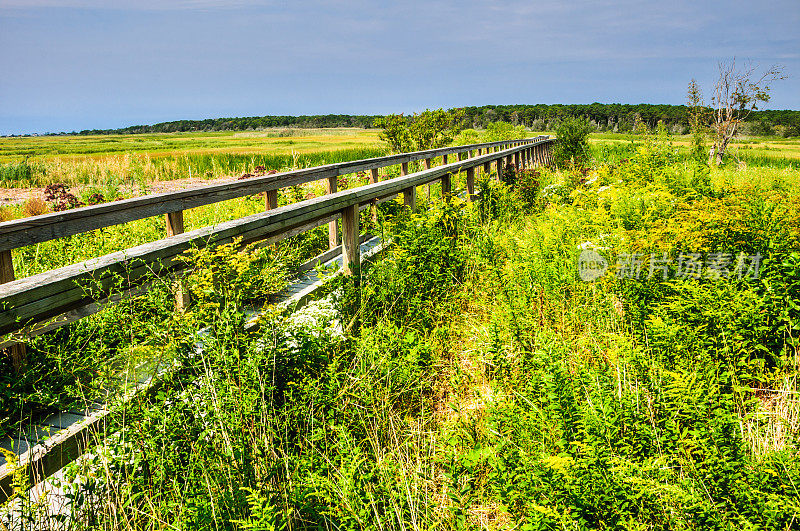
(469, 379)
(140, 170)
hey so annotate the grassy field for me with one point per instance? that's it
(111, 161)
(278, 141)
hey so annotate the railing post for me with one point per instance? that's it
(500, 169)
(471, 183)
(175, 226)
(409, 194)
(427, 167)
(351, 259)
(16, 352)
(516, 160)
(410, 198)
(446, 186)
(373, 178)
(333, 228)
(271, 199)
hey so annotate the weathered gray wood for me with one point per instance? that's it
(37, 229)
(54, 292)
(333, 228)
(271, 199)
(15, 352)
(351, 259)
(175, 226)
(174, 222)
(446, 186)
(471, 184)
(410, 197)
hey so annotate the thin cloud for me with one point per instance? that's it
(134, 5)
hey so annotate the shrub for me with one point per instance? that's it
(34, 207)
(571, 141)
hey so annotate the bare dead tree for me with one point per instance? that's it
(737, 93)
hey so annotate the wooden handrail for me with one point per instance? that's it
(37, 229)
(45, 295)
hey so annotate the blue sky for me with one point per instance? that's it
(80, 64)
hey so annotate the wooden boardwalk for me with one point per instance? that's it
(62, 437)
(40, 303)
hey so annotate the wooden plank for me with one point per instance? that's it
(54, 292)
(351, 259)
(15, 352)
(333, 227)
(175, 226)
(37, 229)
(410, 197)
(428, 187)
(271, 199)
(446, 186)
(174, 223)
(471, 184)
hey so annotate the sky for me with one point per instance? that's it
(68, 65)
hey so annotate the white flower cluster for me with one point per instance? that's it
(321, 318)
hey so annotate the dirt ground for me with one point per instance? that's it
(15, 196)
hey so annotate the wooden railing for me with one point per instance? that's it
(42, 297)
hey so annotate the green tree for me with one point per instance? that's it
(698, 120)
(426, 130)
(395, 132)
(571, 141)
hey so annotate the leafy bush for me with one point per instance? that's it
(571, 144)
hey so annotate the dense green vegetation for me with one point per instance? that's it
(471, 379)
(615, 117)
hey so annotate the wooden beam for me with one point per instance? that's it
(410, 198)
(471, 184)
(15, 352)
(40, 297)
(174, 223)
(174, 227)
(38, 229)
(351, 259)
(373, 178)
(333, 227)
(428, 187)
(447, 186)
(271, 199)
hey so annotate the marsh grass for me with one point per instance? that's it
(471, 380)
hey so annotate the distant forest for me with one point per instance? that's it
(614, 117)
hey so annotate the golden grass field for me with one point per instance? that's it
(100, 147)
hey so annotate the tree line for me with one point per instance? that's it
(613, 117)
